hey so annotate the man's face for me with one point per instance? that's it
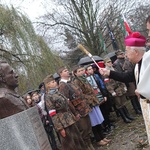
(10, 77)
(65, 73)
(108, 63)
(90, 70)
(131, 54)
(80, 72)
(148, 29)
(52, 84)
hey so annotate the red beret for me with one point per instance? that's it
(135, 39)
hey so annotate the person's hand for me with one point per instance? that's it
(125, 88)
(63, 133)
(47, 122)
(114, 94)
(105, 99)
(137, 94)
(78, 117)
(104, 72)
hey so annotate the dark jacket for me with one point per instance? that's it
(123, 76)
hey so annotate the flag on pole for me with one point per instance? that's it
(123, 27)
(114, 43)
(126, 25)
(102, 42)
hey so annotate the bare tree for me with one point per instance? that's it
(86, 20)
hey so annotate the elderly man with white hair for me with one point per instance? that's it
(136, 53)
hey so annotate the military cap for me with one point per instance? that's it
(48, 79)
(119, 52)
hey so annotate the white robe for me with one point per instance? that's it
(143, 86)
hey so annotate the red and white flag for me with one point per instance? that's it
(52, 112)
(106, 80)
(127, 27)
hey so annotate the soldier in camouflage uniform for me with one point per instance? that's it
(64, 117)
(118, 91)
(96, 116)
(76, 97)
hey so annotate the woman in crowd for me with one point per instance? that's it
(28, 100)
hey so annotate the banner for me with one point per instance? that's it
(114, 44)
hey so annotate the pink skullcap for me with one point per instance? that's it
(135, 39)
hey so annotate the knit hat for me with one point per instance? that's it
(135, 39)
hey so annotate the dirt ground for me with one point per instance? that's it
(131, 136)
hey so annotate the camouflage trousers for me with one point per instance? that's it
(85, 128)
(73, 139)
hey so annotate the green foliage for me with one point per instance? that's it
(27, 52)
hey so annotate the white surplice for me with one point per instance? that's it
(143, 87)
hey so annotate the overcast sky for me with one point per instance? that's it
(33, 8)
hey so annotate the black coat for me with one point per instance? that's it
(123, 76)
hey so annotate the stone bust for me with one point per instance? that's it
(10, 102)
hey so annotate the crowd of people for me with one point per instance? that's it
(79, 104)
(76, 107)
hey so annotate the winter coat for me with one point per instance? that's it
(115, 86)
(63, 117)
(88, 92)
(76, 97)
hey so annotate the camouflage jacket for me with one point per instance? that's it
(88, 92)
(115, 86)
(65, 115)
(76, 97)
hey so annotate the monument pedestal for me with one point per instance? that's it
(23, 131)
